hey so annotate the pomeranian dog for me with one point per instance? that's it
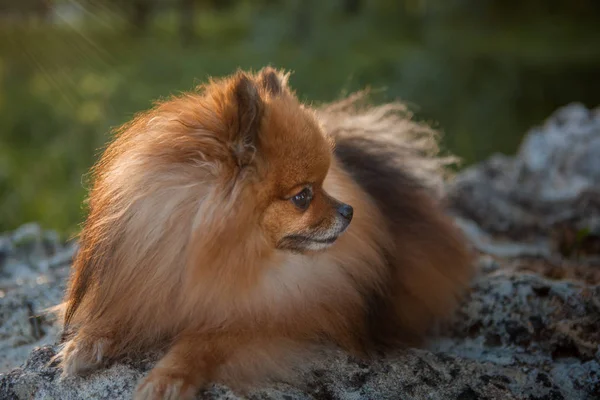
(240, 230)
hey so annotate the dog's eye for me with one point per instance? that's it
(302, 199)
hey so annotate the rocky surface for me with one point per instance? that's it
(549, 191)
(33, 267)
(529, 329)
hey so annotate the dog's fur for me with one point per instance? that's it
(192, 241)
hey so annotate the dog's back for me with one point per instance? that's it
(395, 161)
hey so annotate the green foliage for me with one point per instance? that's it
(482, 79)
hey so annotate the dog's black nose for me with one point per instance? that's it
(346, 211)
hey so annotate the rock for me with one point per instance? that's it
(23, 322)
(550, 189)
(33, 269)
(487, 244)
(554, 161)
(30, 251)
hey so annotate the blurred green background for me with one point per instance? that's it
(482, 71)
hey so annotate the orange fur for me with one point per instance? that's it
(192, 242)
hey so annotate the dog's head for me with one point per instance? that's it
(282, 153)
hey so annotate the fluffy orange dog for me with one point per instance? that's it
(220, 227)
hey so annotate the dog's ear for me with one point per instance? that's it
(249, 116)
(272, 81)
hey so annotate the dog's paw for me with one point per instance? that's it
(81, 356)
(161, 385)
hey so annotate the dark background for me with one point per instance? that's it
(482, 71)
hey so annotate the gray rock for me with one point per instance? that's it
(33, 270)
(29, 252)
(550, 189)
(487, 244)
(549, 163)
(24, 324)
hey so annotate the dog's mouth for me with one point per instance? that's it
(302, 243)
(308, 239)
(328, 240)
